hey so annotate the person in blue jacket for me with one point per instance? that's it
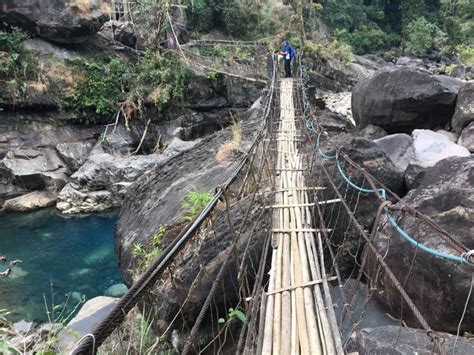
(289, 54)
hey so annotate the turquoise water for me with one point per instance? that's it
(74, 255)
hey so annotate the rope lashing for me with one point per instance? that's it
(464, 258)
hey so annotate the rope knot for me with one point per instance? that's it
(469, 257)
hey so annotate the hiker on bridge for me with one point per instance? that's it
(288, 53)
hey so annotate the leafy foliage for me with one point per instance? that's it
(101, 87)
(421, 36)
(104, 84)
(332, 51)
(146, 254)
(238, 18)
(194, 203)
(465, 54)
(17, 65)
(421, 25)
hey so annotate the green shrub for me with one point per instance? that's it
(332, 51)
(146, 254)
(465, 54)
(100, 86)
(103, 84)
(194, 203)
(421, 36)
(17, 64)
(370, 39)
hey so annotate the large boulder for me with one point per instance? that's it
(369, 156)
(102, 181)
(30, 202)
(156, 197)
(431, 147)
(36, 169)
(464, 113)
(467, 137)
(90, 315)
(336, 77)
(37, 154)
(398, 340)
(438, 287)
(402, 99)
(57, 21)
(399, 148)
(185, 288)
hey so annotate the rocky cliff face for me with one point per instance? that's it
(155, 199)
(55, 20)
(88, 168)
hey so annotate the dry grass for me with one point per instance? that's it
(38, 88)
(227, 149)
(58, 71)
(80, 6)
(105, 8)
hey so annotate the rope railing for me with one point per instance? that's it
(465, 256)
(334, 164)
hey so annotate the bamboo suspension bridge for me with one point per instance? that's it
(288, 213)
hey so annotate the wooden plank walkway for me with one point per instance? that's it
(298, 311)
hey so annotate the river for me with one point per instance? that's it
(63, 261)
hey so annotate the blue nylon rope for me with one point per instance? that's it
(393, 222)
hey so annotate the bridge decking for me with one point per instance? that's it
(299, 316)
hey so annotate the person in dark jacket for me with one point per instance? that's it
(289, 54)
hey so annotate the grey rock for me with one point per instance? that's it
(452, 137)
(35, 169)
(409, 62)
(446, 195)
(117, 290)
(57, 21)
(89, 316)
(467, 137)
(431, 147)
(74, 154)
(125, 35)
(42, 47)
(332, 77)
(22, 327)
(399, 148)
(402, 99)
(207, 255)
(370, 157)
(98, 184)
(177, 146)
(464, 113)
(414, 174)
(397, 340)
(155, 198)
(372, 132)
(30, 202)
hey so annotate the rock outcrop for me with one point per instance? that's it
(431, 147)
(39, 155)
(399, 148)
(467, 137)
(446, 195)
(90, 315)
(402, 99)
(464, 113)
(57, 21)
(372, 132)
(155, 198)
(397, 340)
(30, 202)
